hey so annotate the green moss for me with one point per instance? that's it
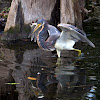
(17, 32)
(14, 30)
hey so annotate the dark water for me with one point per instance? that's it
(76, 78)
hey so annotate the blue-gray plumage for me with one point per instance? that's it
(50, 38)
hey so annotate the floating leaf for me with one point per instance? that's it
(12, 83)
(32, 78)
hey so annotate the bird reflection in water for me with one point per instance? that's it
(64, 81)
(46, 86)
(50, 83)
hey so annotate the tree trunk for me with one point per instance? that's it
(23, 12)
(29, 10)
(70, 12)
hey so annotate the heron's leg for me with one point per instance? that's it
(79, 51)
(58, 62)
(58, 59)
(58, 53)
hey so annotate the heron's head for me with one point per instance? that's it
(40, 24)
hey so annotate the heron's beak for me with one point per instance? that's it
(42, 27)
(36, 27)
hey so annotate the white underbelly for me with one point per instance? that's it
(64, 45)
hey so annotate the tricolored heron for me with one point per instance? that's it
(50, 38)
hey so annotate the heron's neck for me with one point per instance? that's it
(43, 32)
(42, 36)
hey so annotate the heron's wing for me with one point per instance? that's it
(52, 39)
(53, 30)
(75, 33)
(75, 29)
(54, 34)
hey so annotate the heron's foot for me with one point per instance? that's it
(79, 52)
(58, 61)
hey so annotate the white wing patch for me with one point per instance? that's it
(64, 45)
